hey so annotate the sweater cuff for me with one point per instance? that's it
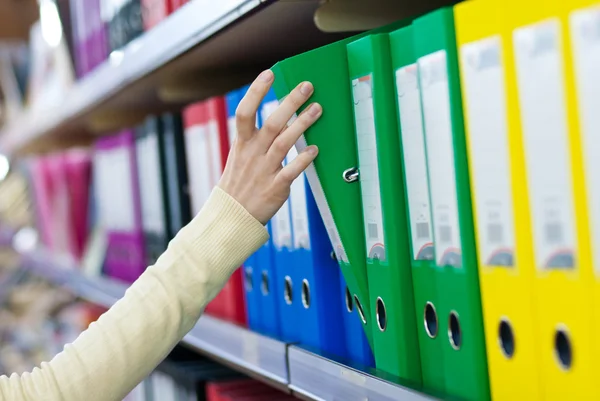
(225, 233)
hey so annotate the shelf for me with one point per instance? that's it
(203, 49)
(288, 367)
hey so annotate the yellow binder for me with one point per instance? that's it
(498, 187)
(581, 22)
(551, 146)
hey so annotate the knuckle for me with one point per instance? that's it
(271, 126)
(280, 146)
(242, 114)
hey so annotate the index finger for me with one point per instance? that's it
(245, 115)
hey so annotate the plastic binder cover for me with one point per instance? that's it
(383, 209)
(149, 147)
(458, 285)
(115, 178)
(318, 272)
(176, 177)
(207, 147)
(418, 208)
(78, 178)
(582, 18)
(357, 346)
(499, 193)
(559, 221)
(338, 200)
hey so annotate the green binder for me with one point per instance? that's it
(332, 175)
(386, 245)
(416, 192)
(465, 365)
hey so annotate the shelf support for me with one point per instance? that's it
(362, 15)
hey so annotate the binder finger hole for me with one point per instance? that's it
(360, 310)
(305, 294)
(563, 349)
(287, 291)
(265, 287)
(349, 304)
(431, 320)
(454, 331)
(248, 279)
(381, 314)
(506, 338)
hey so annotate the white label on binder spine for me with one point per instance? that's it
(585, 36)
(543, 117)
(323, 205)
(231, 130)
(485, 100)
(299, 208)
(115, 187)
(435, 93)
(282, 228)
(364, 117)
(204, 161)
(267, 109)
(415, 164)
(150, 184)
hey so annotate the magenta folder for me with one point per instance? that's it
(118, 198)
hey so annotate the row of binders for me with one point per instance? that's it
(148, 182)
(458, 181)
(456, 188)
(99, 27)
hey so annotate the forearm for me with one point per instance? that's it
(128, 341)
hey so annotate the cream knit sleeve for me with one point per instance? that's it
(115, 353)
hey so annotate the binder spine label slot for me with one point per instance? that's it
(542, 102)
(281, 226)
(435, 95)
(485, 98)
(115, 189)
(415, 163)
(585, 36)
(364, 116)
(204, 161)
(324, 210)
(150, 184)
(231, 130)
(299, 209)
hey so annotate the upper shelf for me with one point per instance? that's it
(203, 49)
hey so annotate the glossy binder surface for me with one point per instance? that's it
(460, 306)
(581, 22)
(358, 349)
(556, 205)
(338, 200)
(416, 192)
(115, 177)
(317, 271)
(152, 187)
(499, 192)
(384, 213)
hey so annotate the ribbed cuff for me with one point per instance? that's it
(225, 233)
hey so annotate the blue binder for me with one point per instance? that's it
(357, 346)
(268, 297)
(286, 284)
(232, 100)
(317, 271)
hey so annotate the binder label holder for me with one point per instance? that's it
(542, 99)
(415, 163)
(485, 99)
(440, 157)
(362, 93)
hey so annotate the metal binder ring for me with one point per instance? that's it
(351, 174)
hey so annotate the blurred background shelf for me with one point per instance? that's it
(284, 366)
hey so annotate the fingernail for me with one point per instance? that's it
(306, 88)
(312, 150)
(266, 76)
(315, 110)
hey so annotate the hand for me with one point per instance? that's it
(254, 175)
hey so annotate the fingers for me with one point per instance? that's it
(245, 114)
(284, 141)
(293, 169)
(278, 120)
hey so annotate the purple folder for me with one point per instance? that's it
(118, 197)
